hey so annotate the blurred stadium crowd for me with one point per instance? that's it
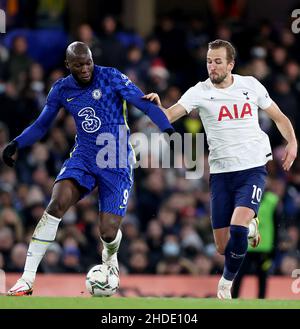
(167, 226)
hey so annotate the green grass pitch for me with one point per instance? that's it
(29, 302)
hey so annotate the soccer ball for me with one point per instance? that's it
(102, 280)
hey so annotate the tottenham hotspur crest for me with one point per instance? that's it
(97, 94)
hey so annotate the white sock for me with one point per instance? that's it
(110, 249)
(43, 235)
(226, 282)
(252, 228)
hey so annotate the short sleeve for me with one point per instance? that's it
(263, 98)
(190, 99)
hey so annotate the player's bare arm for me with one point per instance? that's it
(286, 129)
(173, 113)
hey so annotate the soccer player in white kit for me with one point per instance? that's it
(238, 151)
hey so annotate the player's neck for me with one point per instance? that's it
(227, 82)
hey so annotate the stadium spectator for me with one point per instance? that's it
(113, 52)
(87, 35)
(71, 260)
(19, 62)
(35, 86)
(173, 262)
(6, 244)
(52, 260)
(10, 218)
(289, 263)
(17, 258)
(203, 264)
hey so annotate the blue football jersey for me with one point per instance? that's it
(98, 108)
(102, 155)
(99, 111)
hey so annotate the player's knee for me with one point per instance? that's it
(56, 208)
(108, 234)
(109, 225)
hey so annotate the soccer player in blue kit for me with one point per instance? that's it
(94, 95)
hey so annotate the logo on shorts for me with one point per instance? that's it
(97, 94)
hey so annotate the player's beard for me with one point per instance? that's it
(219, 79)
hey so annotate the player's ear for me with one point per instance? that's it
(231, 65)
(67, 64)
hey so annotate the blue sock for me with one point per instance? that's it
(235, 251)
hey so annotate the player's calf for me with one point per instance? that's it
(234, 255)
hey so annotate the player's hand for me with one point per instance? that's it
(153, 97)
(8, 153)
(289, 155)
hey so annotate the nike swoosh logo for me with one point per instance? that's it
(122, 207)
(70, 99)
(253, 202)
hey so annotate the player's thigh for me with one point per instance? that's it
(222, 202)
(65, 193)
(114, 188)
(73, 182)
(221, 236)
(250, 185)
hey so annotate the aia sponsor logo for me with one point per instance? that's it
(235, 113)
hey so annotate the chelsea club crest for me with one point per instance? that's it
(97, 94)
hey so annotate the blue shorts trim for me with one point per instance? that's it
(242, 188)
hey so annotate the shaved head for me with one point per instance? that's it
(79, 61)
(77, 49)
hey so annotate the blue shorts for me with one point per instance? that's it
(242, 188)
(114, 185)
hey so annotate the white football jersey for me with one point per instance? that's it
(230, 119)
